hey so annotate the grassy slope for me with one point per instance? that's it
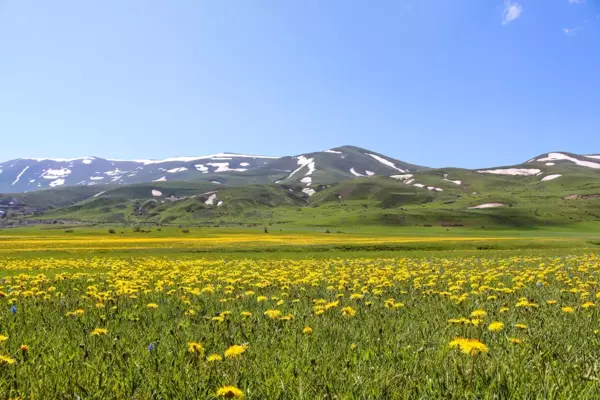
(367, 201)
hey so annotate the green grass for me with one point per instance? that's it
(378, 353)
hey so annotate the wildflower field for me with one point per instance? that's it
(483, 324)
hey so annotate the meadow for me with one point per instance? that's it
(298, 315)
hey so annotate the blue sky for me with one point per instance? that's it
(468, 83)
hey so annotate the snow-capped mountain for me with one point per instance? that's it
(308, 170)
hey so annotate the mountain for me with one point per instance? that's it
(338, 187)
(309, 170)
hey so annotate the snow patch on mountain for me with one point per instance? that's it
(57, 182)
(156, 193)
(402, 177)
(565, 157)
(56, 173)
(304, 162)
(176, 170)
(353, 172)
(224, 167)
(487, 205)
(20, 175)
(385, 162)
(512, 171)
(211, 200)
(455, 182)
(309, 191)
(550, 177)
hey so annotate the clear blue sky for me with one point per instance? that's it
(468, 83)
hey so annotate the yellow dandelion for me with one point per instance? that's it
(230, 392)
(246, 314)
(551, 302)
(515, 340)
(196, 348)
(235, 351)
(588, 304)
(6, 360)
(348, 312)
(99, 332)
(307, 330)
(520, 326)
(495, 326)
(469, 346)
(273, 314)
(214, 358)
(24, 348)
(567, 309)
(3, 338)
(152, 306)
(479, 314)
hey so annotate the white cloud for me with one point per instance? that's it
(512, 11)
(576, 1)
(572, 31)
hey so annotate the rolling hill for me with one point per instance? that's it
(338, 187)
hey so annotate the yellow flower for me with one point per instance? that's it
(6, 360)
(196, 348)
(24, 348)
(567, 309)
(3, 338)
(515, 340)
(479, 314)
(230, 392)
(551, 302)
(288, 317)
(261, 298)
(246, 314)
(521, 326)
(99, 332)
(495, 326)
(307, 330)
(152, 306)
(332, 304)
(588, 305)
(504, 309)
(214, 357)
(353, 346)
(469, 346)
(235, 351)
(348, 312)
(273, 314)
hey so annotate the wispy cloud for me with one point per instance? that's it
(576, 1)
(572, 31)
(512, 11)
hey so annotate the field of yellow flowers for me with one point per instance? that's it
(480, 326)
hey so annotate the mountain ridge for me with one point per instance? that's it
(332, 165)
